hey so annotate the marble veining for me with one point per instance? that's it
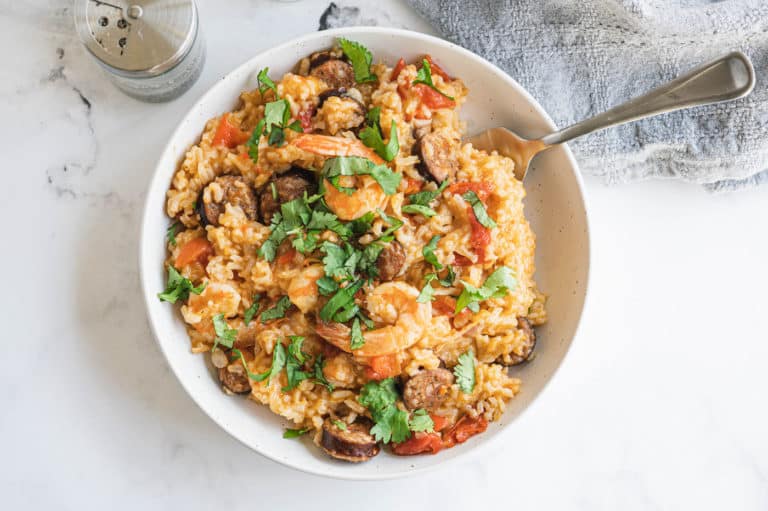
(660, 404)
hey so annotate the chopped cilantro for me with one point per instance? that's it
(295, 433)
(424, 75)
(357, 340)
(394, 224)
(278, 311)
(371, 136)
(265, 83)
(392, 423)
(368, 322)
(253, 141)
(479, 209)
(251, 311)
(424, 198)
(362, 224)
(178, 287)
(319, 377)
(170, 234)
(496, 285)
(340, 300)
(370, 256)
(448, 280)
(418, 209)
(239, 355)
(339, 166)
(429, 252)
(327, 286)
(465, 372)
(224, 335)
(340, 262)
(278, 362)
(421, 421)
(427, 292)
(294, 361)
(273, 187)
(323, 220)
(361, 59)
(339, 424)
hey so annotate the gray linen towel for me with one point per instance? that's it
(579, 58)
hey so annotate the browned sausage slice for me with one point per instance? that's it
(354, 444)
(428, 389)
(529, 342)
(284, 188)
(438, 155)
(222, 190)
(335, 73)
(390, 261)
(234, 378)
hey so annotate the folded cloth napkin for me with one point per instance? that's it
(579, 58)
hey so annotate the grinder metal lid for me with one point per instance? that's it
(138, 38)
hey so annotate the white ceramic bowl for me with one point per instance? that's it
(555, 207)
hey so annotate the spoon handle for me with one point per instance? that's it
(729, 77)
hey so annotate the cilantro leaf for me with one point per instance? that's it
(339, 424)
(278, 362)
(265, 83)
(339, 262)
(394, 224)
(361, 59)
(357, 340)
(373, 116)
(424, 75)
(448, 280)
(251, 311)
(362, 224)
(418, 209)
(327, 286)
(427, 293)
(178, 287)
(380, 398)
(498, 284)
(465, 372)
(224, 335)
(278, 311)
(424, 198)
(305, 242)
(429, 252)
(239, 354)
(421, 421)
(293, 363)
(371, 137)
(323, 220)
(253, 141)
(170, 234)
(478, 208)
(341, 299)
(370, 256)
(295, 433)
(358, 166)
(319, 377)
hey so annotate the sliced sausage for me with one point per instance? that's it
(334, 72)
(428, 389)
(320, 57)
(221, 191)
(438, 156)
(234, 378)
(286, 187)
(354, 443)
(529, 342)
(391, 261)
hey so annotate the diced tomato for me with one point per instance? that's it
(465, 428)
(196, 250)
(440, 422)
(398, 67)
(402, 91)
(384, 366)
(460, 260)
(444, 305)
(286, 257)
(228, 135)
(413, 185)
(419, 443)
(481, 235)
(482, 189)
(437, 70)
(305, 117)
(432, 98)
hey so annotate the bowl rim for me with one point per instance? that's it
(150, 295)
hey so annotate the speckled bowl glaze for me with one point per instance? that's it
(555, 206)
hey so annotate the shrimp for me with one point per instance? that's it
(368, 196)
(335, 146)
(302, 289)
(394, 303)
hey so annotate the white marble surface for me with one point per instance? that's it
(660, 405)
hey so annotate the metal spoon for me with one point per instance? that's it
(729, 77)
